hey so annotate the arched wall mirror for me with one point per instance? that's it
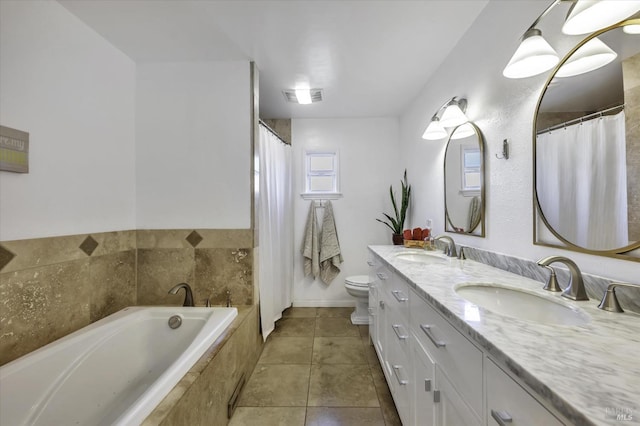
(464, 181)
(587, 152)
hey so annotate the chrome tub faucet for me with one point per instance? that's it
(575, 289)
(188, 294)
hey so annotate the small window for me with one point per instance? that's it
(321, 174)
(471, 176)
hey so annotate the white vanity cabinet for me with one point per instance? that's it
(509, 404)
(457, 389)
(437, 375)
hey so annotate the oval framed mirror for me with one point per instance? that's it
(464, 181)
(586, 148)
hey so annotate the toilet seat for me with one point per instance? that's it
(358, 281)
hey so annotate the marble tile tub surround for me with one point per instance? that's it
(586, 372)
(595, 285)
(50, 287)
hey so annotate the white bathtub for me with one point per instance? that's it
(114, 371)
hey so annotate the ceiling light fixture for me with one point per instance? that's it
(303, 96)
(450, 114)
(592, 55)
(587, 16)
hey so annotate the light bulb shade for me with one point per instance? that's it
(463, 131)
(303, 96)
(453, 116)
(434, 131)
(587, 16)
(534, 56)
(631, 29)
(592, 55)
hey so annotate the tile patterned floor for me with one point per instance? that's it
(317, 369)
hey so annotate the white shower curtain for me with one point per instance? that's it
(582, 182)
(275, 229)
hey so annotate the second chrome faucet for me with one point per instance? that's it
(575, 288)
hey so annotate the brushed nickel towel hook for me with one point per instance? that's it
(505, 150)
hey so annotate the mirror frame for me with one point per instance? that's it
(538, 215)
(448, 226)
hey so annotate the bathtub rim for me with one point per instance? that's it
(146, 403)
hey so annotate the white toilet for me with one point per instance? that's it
(358, 287)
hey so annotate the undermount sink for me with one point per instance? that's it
(521, 304)
(419, 257)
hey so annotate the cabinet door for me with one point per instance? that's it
(373, 313)
(509, 404)
(450, 407)
(423, 404)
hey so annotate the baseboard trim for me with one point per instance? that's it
(323, 303)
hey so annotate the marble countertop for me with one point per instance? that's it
(589, 373)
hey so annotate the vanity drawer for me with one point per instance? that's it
(396, 294)
(508, 403)
(460, 360)
(398, 334)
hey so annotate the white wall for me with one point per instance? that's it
(74, 93)
(501, 108)
(369, 158)
(193, 145)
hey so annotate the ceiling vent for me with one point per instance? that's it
(290, 95)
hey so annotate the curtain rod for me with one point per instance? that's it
(581, 119)
(262, 123)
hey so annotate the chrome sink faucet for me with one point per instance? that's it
(610, 300)
(575, 289)
(451, 245)
(188, 294)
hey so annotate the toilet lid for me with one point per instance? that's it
(358, 280)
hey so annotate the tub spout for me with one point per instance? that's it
(188, 294)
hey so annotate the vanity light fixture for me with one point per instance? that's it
(587, 16)
(534, 56)
(592, 55)
(463, 131)
(632, 29)
(450, 114)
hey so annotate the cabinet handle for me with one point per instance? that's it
(371, 263)
(501, 417)
(381, 276)
(396, 328)
(399, 296)
(436, 396)
(427, 385)
(382, 304)
(427, 330)
(396, 371)
(370, 309)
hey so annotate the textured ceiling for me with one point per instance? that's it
(371, 58)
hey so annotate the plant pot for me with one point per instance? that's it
(398, 239)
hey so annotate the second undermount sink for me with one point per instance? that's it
(419, 257)
(517, 303)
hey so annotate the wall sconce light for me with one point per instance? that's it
(535, 55)
(587, 16)
(450, 114)
(592, 55)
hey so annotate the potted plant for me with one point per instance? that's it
(397, 224)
